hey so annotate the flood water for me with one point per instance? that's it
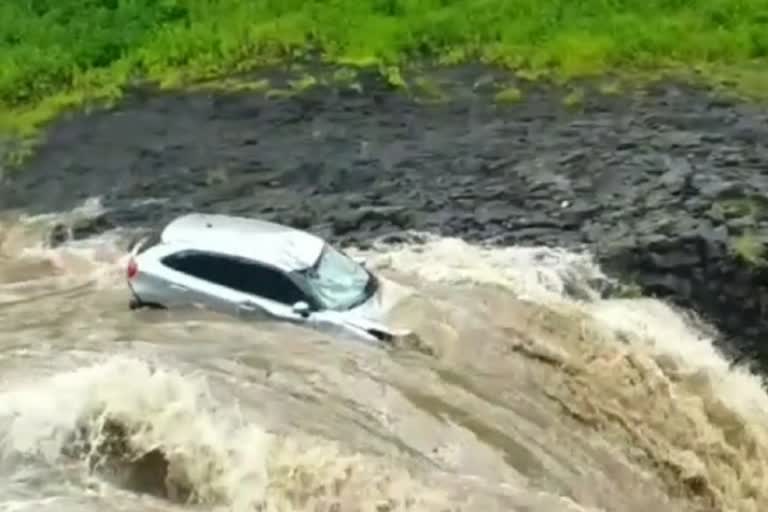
(525, 392)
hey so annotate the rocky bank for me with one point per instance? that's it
(666, 185)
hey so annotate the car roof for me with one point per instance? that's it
(258, 240)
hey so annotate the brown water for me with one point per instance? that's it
(533, 395)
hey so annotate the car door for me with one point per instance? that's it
(268, 290)
(237, 286)
(200, 279)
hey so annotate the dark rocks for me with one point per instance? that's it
(79, 229)
(660, 185)
(351, 220)
(86, 227)
(59, 235)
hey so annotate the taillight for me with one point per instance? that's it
(132, 269)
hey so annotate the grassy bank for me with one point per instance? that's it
(59, 53)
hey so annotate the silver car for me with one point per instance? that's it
(258, 270)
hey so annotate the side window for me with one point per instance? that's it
(238, 275)
(196, 265)
(268, 283)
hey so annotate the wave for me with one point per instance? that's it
(636, 371)
(157, 430)
(509, 328)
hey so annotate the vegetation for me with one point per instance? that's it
(750, 208)
(574, 98)
(611, 87)
(750, 247)
(55, 54)
(509, 95)
(428, 90)
(748, 212)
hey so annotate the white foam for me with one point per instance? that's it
(33, 265)
(91, 207)
(533, 273)
(674, 340)
(549, 277)
(226, 460)
(692, 408)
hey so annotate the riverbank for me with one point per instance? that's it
(68, 54)
(665, 184)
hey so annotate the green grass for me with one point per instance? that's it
(574, 99)
(59, 54)
(752, 208)
(230, 84)
(509, 95)
(750, 247)
(428, 90)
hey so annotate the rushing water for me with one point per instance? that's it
(526, 391)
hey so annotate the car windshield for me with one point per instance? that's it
(338, 282)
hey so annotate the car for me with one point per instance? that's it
(257, 269)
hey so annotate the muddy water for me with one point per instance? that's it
(525, 392)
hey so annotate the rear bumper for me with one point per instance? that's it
(134, 302)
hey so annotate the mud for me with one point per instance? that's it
(665, 185)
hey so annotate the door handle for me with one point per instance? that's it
(179, 288)
(246, 306)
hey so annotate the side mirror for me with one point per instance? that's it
(301, 308)
(360, 261)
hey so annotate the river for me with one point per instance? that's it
(527, 392)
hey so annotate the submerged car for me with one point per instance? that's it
(257, 269)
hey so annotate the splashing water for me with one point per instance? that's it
(540, 394)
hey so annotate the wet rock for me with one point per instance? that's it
(678, 258)
(664, 285)
(58, 236)
(80, 229)
(301, 220)
(91, 226)
(712, 138)
(353, 219)
(496, 212)
(738, 224)
(681, 139)
(679, 173)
